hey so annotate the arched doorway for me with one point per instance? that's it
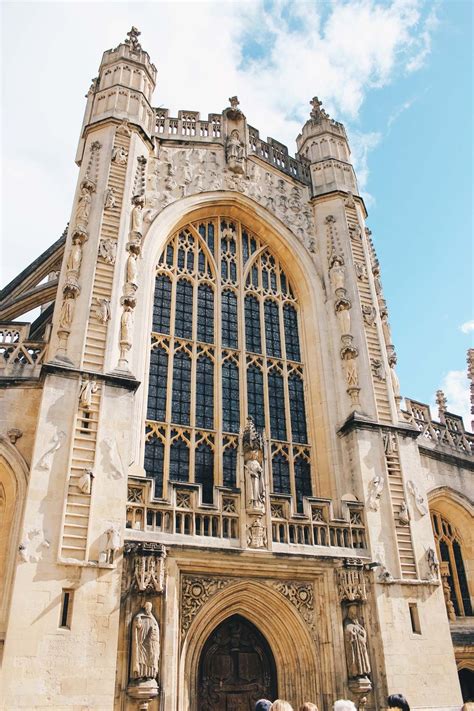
(236, 668)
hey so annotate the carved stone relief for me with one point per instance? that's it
(102, 310)
(369, 313)
(376, 486)
(195, 592)
(87, 388)
(302, 597)
(418, 499)
(351, 584)
(108, 250)
(433, 564)
(112, 545)
(47, 459)
(355, 638)
(252, 445)
(147, 566)
(145, 653)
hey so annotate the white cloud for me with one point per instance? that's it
(455, 386)
(340, 51)
(467, 327)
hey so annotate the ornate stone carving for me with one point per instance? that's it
(418, 499)
(113, 544)
(85, 481)
(252, 445)
(119, 155)
(102, 310)
(113, 463)
(355, 637)
(235, 153)
(369, 314)
(256, 532)
(444, 570)
(376, 486)
(145, 653)
(351, 584)
(108, 250)
(147, 562)
(403, 514)
(317, 112)
(132, 40)
(433, 564)
(390, 443)
(84, 204)
(342, 308)
(349, 354)
(14, 434)
(126, 330)
(377, 369)
(302, 597)
(136, 217)
(385, 575)
(47, 458)
(88, 387)
(109, 199)
(442, 403)
(195, 592)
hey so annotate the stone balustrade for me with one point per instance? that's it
(448, 433)
(19, 357)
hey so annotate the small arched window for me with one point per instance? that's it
(449, 545)
(225, 344)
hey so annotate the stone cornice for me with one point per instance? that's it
(357, 421)
(450, 457)
(339, 193)
(118, 380)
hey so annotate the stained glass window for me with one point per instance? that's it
(449, 544)
(183, 322)
(205, 319)
(205, 393)
(217, 279)
(162, 304)
(181, 401)
(230, 397)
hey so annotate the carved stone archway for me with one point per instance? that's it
(290, 640)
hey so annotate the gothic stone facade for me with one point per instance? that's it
(209, 490)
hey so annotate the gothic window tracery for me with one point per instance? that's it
(449, 545)
(225, 344)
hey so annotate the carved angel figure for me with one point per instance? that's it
(418, 498)
(47, 458)
(109, 200)
(355, 636)
(375, 492)
(74, 259)
(83, 207)
(88, 388)
(85, 481)
(113, 543)
(337, 273)
(145, 645)
(119, 155)
(433, 563)
(136, 218)
(404, 515)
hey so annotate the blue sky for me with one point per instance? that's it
(397, 73)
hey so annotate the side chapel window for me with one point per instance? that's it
(225, 344)
(448, 543)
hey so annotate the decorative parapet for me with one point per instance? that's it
(19, 357)
(183, 518)
(449, 434)
(276, 154)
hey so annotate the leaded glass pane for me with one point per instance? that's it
(444, 552)
(179, 461)
(205, 393)
(157, 384)
(154, 457)
(162, 304)
(183, 322)
(181, 400)
(230, 397)
(229, 465)
(297, 409)
(292, 340)
(466, 600)
(256, 409)
(272, 329)
(253, 339)
(276, 395)
(281, 474)
(204, 471)
(229, 319)
(205, 317)
(302, 481)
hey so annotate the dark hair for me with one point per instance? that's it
(263, 705)
(398, 701)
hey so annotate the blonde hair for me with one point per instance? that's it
(280, 705)
(308, 706)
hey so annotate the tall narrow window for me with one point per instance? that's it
(65, 615)
(225, 345)
(449, 544)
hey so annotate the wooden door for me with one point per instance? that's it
(236, 668)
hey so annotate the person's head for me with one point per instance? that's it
(397, 701)
(344, 705)
(308, 706)
(468, 706)
(263, 705)
(280, 705)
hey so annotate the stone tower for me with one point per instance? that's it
(224, 497)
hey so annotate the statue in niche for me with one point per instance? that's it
(337, 272)
(83, 206)
(67, 312)
(235, 152)
(253, 459)
(74, 259)
(119, 155)
(355, 637)
(136, 218)
(145, 656)
(342, 308)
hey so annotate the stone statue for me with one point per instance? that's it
(113, 543)
(47, 458)
(253, 458)
(136, 218)
(83, 206)
(88, 388)
(85, 481)
(387, 334)
(342, 308)
(404, 515)
(109, 201)
(375, 492)
(145, 657)
(108, 250)
(433, 563)
(74, 259)
(257, 488)
(67, 312)
(418, 498)
(119, 155)
(126, 324)
(337, 272)
(235, 153)
(103, 310)
(355, 637)
(132, 267)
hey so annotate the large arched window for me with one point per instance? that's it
(448, 543)
(225, 344)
